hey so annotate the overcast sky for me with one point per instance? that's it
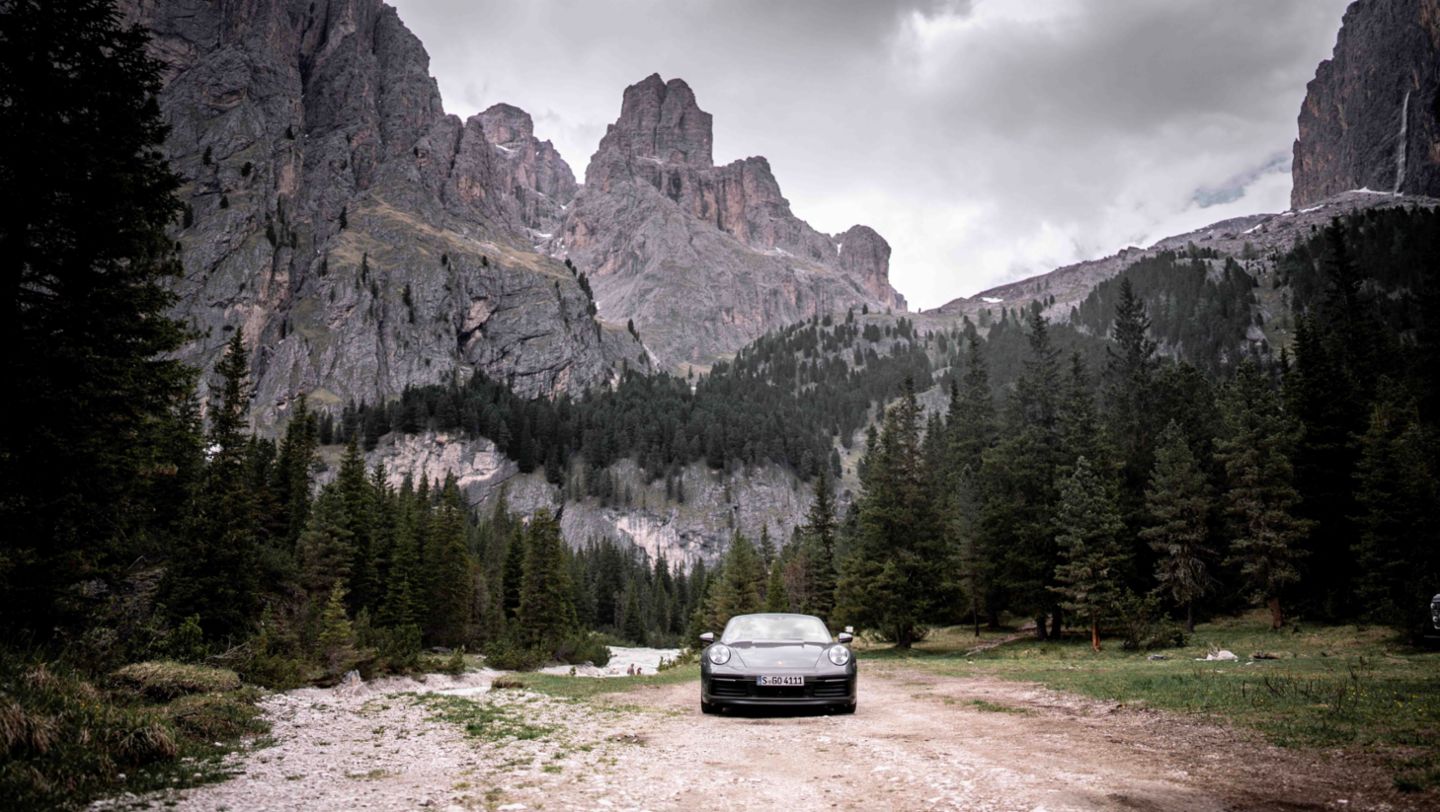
(987, 140)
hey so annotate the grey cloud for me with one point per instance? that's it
(986, 140)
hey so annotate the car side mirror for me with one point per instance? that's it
(845, 637)
(707, 638)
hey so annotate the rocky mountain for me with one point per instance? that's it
(540, 181)
(1253, 238)
(704, 258)
(362, 238)
(1371, 117)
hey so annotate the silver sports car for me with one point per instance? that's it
(776, 659)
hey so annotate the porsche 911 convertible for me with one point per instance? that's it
(777, 660)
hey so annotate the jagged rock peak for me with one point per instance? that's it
(865, 255)
(1371, 116)
(541, 181)
(659, 122)
(507, 124)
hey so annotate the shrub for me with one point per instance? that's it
(455, 663)
(508, 656)
(1143, 626)
(583, 649)
(167, 679)
(504, 683)
(216, 716)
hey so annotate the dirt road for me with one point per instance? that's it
(917, 742)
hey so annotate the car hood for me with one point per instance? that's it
(778, 655)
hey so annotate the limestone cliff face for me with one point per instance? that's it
(539, 179)
(704, 258)
(362, 238)
(1371, 116)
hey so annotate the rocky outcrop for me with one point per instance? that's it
(1371, 116)
(704, 258)
(362, 238)
(539, 179)
(715, 506)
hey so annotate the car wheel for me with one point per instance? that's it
(706, 707)
(846, 709)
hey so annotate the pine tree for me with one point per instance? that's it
(450, 572)
(736, 590)
(1178, 504)
(1090, 575)
(776, 600)
(1130, 401)
(336, 641)
(294, 471)
(890, 581)
(819, 549)
(95, 396)
(325, 548)
(358, 499)
(1398, 494)
(1261, 497)
(214, 574)
(546, 614)
(1018, 481)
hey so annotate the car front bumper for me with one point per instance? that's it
(742, 690)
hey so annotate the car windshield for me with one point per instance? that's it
(775, 627)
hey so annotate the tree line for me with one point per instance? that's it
(1112, 498)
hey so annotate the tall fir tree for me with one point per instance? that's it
(214, 575)
(890, 581)
(450, 575)
(546, 614)
(1178, 504)
(1398, 499)
(1093, 559)
(1019, 486)
(736, 590)
(818, 534)
(97, 401)
(1260, 498)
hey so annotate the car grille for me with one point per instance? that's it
(815, 687)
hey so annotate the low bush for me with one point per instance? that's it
(584, 649)
(216, 716)
(166, 679)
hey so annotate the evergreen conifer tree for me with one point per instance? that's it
(1090, 576)
(890, 581)
(1178, 505)
(546, 613)
(1261, 498)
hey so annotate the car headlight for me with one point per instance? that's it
(719, 654)
(839, 655)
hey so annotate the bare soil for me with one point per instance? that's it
(918, 741)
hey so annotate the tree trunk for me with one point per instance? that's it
(1190, 617)
(1095, 633)
(1277, 616)
(975, 613)
(1056, 624)
(1040, 627)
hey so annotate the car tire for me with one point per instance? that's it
(846, 709)
(706, 707)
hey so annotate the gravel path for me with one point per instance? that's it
(918, 742)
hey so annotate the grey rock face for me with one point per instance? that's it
(1371, 117)
(704, 258)
(362, 238)
(539, 179)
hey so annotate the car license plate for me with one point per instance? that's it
(780, 682)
